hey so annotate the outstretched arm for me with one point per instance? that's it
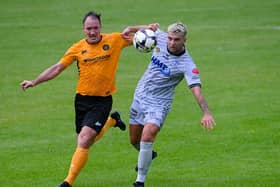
(46, 75)
(207, 120)
(126, 33)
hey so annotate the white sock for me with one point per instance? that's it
(144, 160)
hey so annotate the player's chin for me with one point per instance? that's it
(92, 40)
(173, 50)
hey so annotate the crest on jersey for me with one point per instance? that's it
(157, 49)
(106, 47)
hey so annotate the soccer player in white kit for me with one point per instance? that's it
(170, 63)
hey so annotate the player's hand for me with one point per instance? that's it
(126, 34)
(26, 84)
(208, 122)
(154, 26)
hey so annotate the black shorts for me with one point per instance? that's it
(92, 111)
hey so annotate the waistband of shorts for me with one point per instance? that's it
(94, 97)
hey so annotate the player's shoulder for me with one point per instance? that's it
(186, 55)
(185, 60)
(115, 38)
(159, 31)
(111, 35)
(78, 44)
(160, 34)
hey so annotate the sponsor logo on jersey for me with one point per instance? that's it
(164, 69)
(95, 59)
(195, 71)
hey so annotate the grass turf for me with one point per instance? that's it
(236, 47)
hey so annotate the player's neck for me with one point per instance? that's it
(177, 53)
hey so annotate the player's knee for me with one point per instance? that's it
(148, 137)
(86, 139)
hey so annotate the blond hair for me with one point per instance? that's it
(177, 27)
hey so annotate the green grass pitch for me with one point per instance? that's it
(235, 45)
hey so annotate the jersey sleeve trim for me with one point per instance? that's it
(194, 85)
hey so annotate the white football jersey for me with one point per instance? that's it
(163, 74)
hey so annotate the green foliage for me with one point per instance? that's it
(236, 47)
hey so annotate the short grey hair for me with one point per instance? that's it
(177, 27)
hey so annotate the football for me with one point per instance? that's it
(145, 40)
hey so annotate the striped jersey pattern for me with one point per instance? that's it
(165, 71)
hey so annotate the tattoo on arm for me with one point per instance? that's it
(201, 100)
(203, 104)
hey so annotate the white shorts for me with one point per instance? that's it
(143, 114)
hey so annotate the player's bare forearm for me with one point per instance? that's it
(46, 75)
(203, 104)
(200, 99)
(49, 73)
(207, 120)
(128, 32)
(133, 29)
